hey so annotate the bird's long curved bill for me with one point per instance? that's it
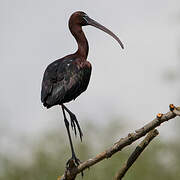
(101, 27)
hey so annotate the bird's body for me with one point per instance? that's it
(66, 78)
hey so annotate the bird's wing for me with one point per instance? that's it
(49, 78)
(60, 78)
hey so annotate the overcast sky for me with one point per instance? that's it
(128, 83)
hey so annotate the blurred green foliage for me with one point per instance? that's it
(49, 154)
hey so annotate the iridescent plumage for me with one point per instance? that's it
(66, 78)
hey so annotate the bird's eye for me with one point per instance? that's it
(85, 18)
(84, 21)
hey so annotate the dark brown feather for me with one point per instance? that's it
(64, 80)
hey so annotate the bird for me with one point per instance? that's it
(66, 78)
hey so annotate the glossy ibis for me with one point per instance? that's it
(66, 78)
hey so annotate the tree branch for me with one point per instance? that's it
(71, 172)
(136, 153)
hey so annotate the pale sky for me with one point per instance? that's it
(127, 83)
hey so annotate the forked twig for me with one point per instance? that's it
(136, 153)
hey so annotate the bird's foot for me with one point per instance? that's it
(72, 162)
(75, 124)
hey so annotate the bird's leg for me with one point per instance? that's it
(77, 161)
(74, 122)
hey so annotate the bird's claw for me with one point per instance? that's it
(72, 162)
(74, 124)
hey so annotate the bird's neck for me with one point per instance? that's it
(81, 40)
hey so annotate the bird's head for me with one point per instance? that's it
(79, 18)
(82, 19)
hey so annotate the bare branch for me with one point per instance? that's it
(136, 153)
(71, 173)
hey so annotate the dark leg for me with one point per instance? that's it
(77, 161)
(74, 122)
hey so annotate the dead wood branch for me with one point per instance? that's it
(136, 153)
(71, 173)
